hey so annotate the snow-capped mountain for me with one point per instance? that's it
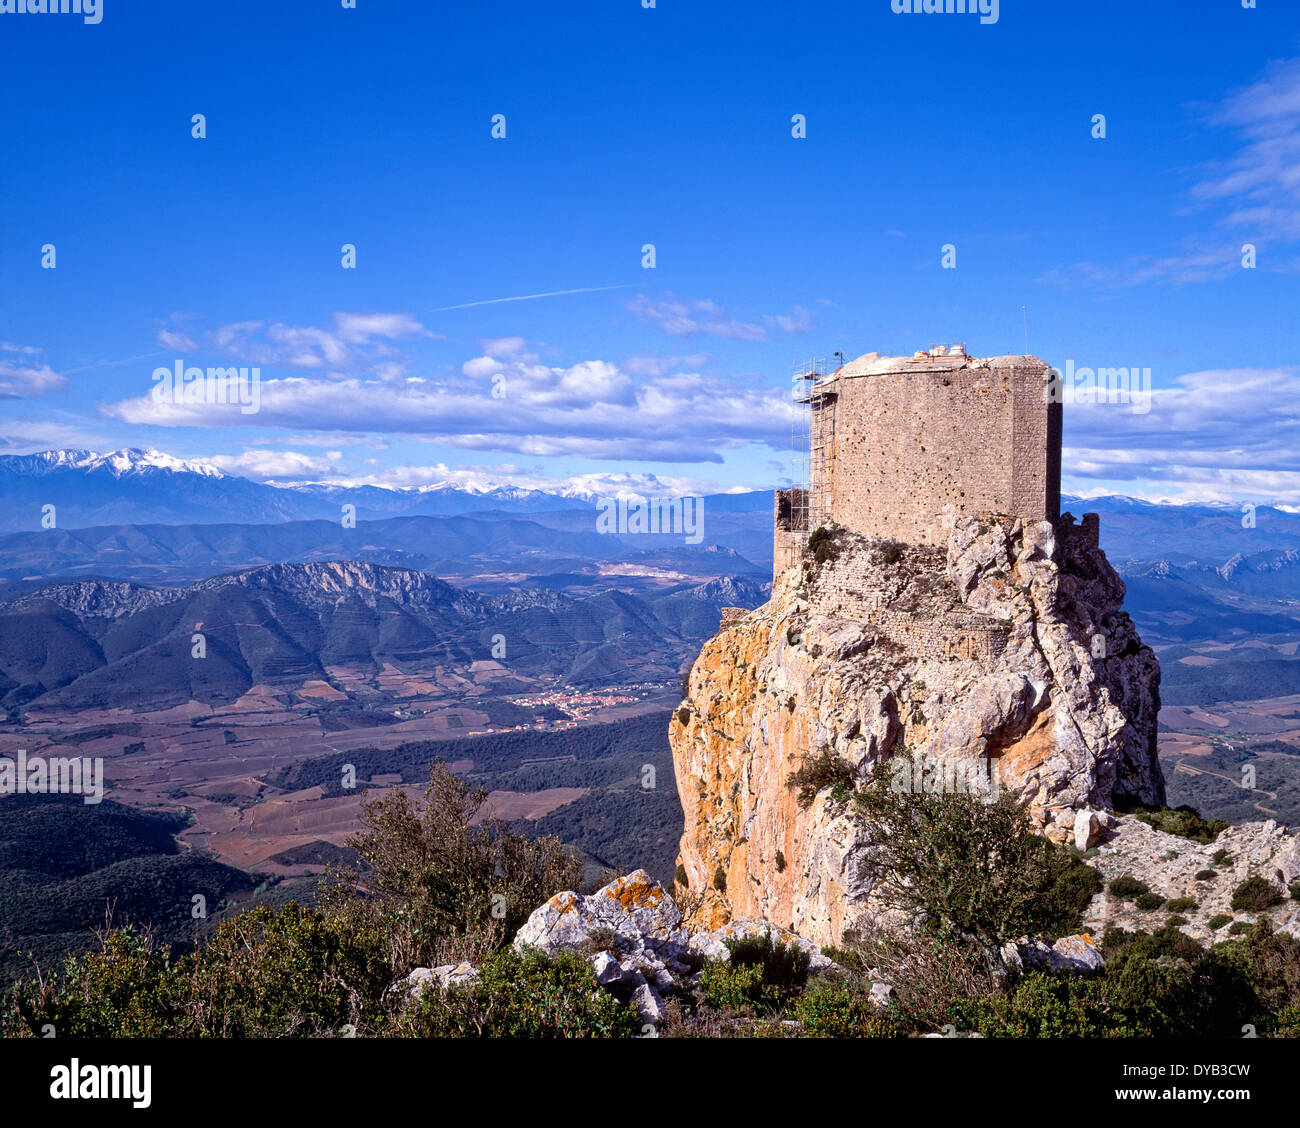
(118, 463)
(146, 486)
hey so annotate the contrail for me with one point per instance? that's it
(530, 297)
(111, 363)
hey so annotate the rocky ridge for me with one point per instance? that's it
(1008, 653)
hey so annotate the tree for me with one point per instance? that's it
(970, 866)
(447, 882)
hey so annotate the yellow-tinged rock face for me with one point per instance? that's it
(974, 657)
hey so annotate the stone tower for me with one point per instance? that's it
(904, 444)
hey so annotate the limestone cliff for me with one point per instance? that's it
(1008, 650)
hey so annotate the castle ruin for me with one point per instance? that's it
(899, 446)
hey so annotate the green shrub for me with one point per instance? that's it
(1148, 902)
(784, 966)
(440, 874)
(890, 551)
(1175, 921)
(1206, 875)
(720, 879)
(822, 545)
(780, 862)
(972, 867)
(1239, 926)
(1221, 858)
(833, 1007)
(525, 995)
(1295, 890)
(1127, 887)
(1185, 822)
(1162, 984)
(1218, 921)
(265, 973)
(680, 876)
(818, 773)
(736, 987)
(1254, 895)
(1180, 904)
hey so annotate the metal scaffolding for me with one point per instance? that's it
(811, 438)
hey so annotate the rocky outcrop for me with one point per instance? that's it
(1007, 655)
(1077, 953)
(1178, 868)
(633, 934)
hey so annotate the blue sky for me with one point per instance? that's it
(627, 126)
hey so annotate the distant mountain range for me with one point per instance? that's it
(145, 486)
(90, 644)
(145, 517)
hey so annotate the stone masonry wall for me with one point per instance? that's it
(852, 589)
(978, 436)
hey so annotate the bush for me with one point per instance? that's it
(601, 939)
(890, 551)
(1221, 858)
(291, 972)
(784, 966)
(1127, 887)
(1239, 926)
(1154, 985)
(970, 867)
(1218, 921)
(720, 879)
(736, 987)
(780, 862)
(680, 876)
(1180, 904)
(525, 995)
(1206, 875)
(1148, 902)
(822, 545)
(1186, 822)
(1295, 890)
(436, 878)
(1254, 895)
(816, 774)
(929, 972)
(834, 1007)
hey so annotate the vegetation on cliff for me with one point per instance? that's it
(434, 885)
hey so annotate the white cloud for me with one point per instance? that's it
(353, 341)
(22, 376)
(593, 408)
(265, 465)
(179, 342)
(688, 317)
(1217, 434)
(1256, 192)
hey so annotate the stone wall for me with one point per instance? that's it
(787, 540)
(913, 436)
(731, 616)
(933, 625)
